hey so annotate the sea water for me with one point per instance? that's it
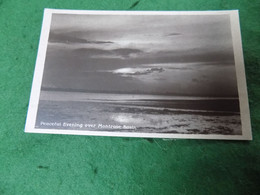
(138, 113)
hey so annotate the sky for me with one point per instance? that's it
(151, 54)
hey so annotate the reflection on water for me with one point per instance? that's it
(125, 118)
(180, 123)
(148, 114)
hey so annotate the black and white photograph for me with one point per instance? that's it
(140, 74)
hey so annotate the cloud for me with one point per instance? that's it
(137, 71)
(141, 53)
(173, 34)
(105, 53)
(126, 52)
(72, 38)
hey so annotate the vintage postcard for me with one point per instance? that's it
(151, 74)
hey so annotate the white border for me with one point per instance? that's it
(239, 63)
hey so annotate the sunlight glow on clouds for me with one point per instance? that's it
(137, 71)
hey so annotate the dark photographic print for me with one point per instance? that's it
(140, 74)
